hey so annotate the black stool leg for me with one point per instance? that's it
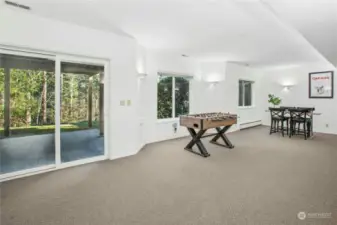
(271, 127)
(291, 129)
(298, 128)
(278, 123)
(309, 129)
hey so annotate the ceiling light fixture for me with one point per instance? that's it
(213, 83)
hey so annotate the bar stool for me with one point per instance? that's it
(277, 119)
(286, 112)
(298, 117)
(310, 119)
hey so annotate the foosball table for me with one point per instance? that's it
(203, 122)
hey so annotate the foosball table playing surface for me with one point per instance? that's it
(221, 122)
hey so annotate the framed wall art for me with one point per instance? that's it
(321, 84)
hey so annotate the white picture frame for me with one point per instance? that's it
(321, 84)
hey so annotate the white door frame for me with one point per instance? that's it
(82, 60)
(58, 58)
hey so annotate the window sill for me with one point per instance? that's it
(169, 120)
(246, 107)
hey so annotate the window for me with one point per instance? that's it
(245, 93)
(182, 103)
(173, 96)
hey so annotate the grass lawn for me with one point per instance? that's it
(47, 129)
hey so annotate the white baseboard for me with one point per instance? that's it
(250, 124)
(141, 147)
(122, 156)
(168, 138)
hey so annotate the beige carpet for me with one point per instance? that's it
(265, 180)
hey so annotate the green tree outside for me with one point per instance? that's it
(32, 101)
(164, 97)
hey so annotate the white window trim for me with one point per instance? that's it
(167, 120)
(246, 107)
(243, 95)
(174, 75)
(173, 97)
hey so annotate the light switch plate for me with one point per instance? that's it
(128, 102)
(122, 103)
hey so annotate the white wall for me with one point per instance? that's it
(204, 97)
(155, 130)
(29, 31)
(235, 73)
(223, 97)
(141, 70)
(298, 95)
(131, 127)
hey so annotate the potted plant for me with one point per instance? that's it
(274, 100)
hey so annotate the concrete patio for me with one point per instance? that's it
(20, 153)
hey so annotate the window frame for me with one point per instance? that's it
(252, 105)
(173, 75)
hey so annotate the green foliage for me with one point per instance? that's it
(2, 86)
(74, 97)
(46, 129)
(25, 89)
(26, 99)
(164, 105)
(182, 96)
(274, 100)
(164, 102)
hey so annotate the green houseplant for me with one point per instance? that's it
(274, 100)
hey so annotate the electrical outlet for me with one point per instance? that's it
(175, 127)
(327, 125)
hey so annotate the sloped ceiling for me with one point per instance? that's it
(248, 31)
(316, 20)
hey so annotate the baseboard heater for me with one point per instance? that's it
(251, 124)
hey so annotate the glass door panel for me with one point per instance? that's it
(27, 113)
(82, 111)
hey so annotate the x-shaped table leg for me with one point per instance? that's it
(196, 140)
(221, 134)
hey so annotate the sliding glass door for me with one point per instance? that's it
(51, 112)
(27, 112)
(82, 111)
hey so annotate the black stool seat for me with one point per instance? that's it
(298, 117)
(277, 120)
(301, 120)
(280, 118)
